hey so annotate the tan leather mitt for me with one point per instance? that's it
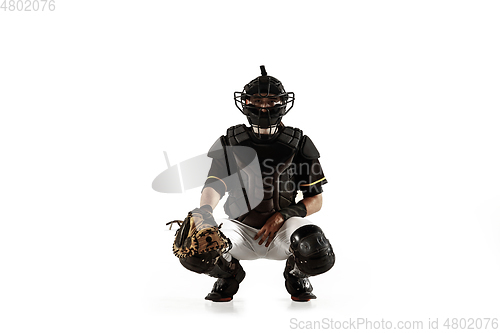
(198, 233)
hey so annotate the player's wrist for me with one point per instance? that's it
(281, 218)
(295, 210)
(207, 208)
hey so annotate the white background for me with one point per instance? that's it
(400, 97)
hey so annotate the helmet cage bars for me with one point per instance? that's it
(264, 86)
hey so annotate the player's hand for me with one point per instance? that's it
(269, 230)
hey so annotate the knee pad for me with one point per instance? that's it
(311, 249)
(200, 263)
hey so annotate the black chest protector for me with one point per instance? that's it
(276, 178)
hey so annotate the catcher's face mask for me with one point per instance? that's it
(264, 101)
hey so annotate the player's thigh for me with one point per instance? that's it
(279, 249)
(241, 238)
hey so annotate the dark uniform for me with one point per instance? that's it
(288, 163)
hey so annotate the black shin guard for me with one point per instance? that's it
(229, 274)
(297, 283)
(312, 254)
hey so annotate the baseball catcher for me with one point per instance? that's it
(261, 168)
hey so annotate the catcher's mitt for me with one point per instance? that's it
(198, 234)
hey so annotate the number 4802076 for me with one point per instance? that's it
(28, 5)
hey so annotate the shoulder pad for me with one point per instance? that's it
(237, 134)
(216, 151)
(291, 136)
(308, 149)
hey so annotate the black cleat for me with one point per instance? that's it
(304, 297)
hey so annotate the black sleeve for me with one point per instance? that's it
(217, 176)
(310, 177)
(309, 173)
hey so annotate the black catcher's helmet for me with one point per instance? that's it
(264, 86)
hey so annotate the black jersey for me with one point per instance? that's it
(288, 162)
